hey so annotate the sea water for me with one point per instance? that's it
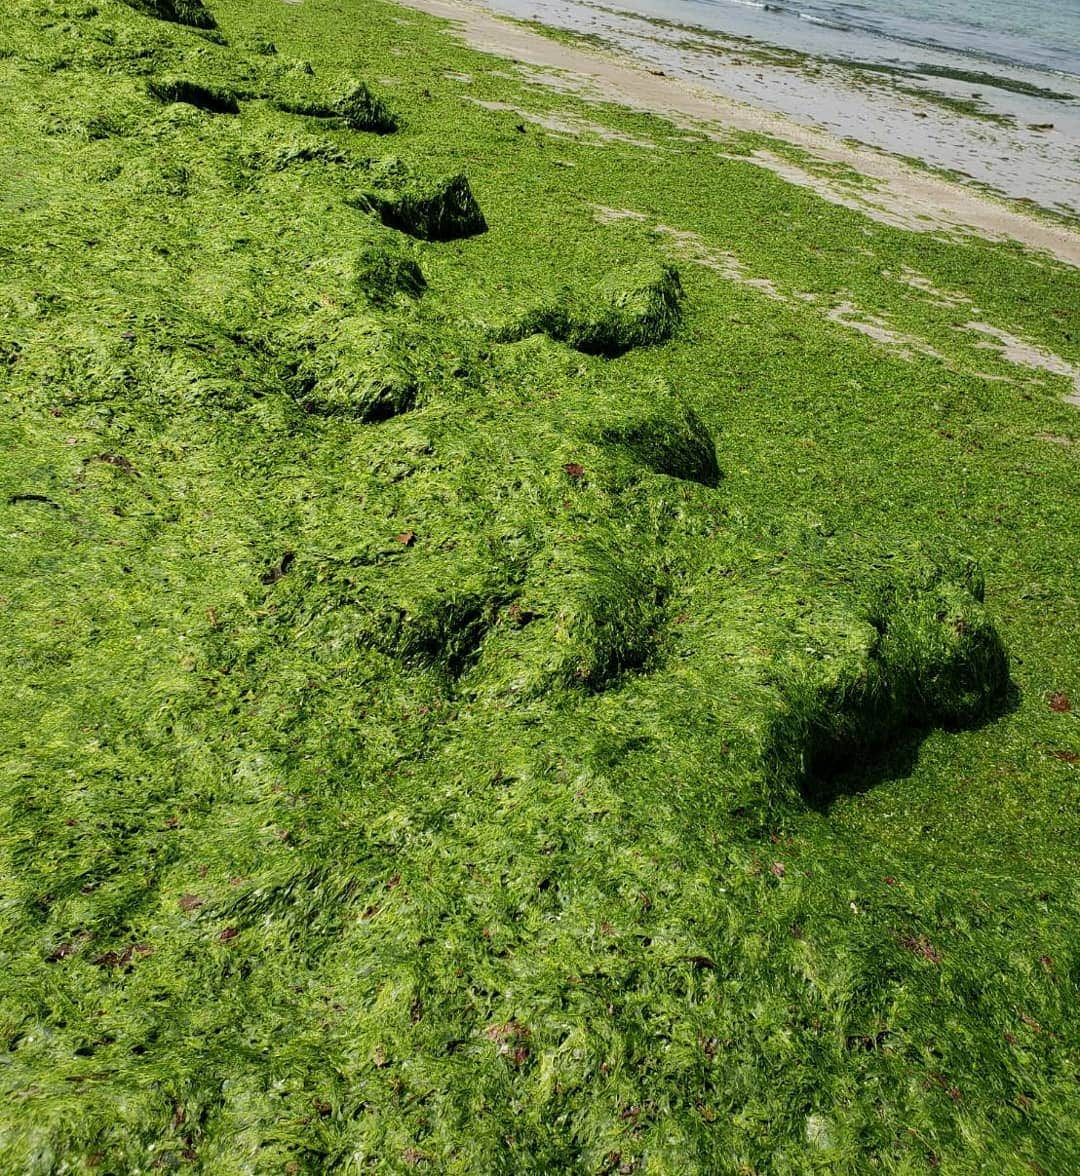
(1038, 34)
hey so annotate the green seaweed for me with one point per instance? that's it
(633, 307)
(358, 110)
(416, 755)
(973, 77)
(361, 110)
(354, 367)
(431, 209)
(192, 13)
(381, 275)
(215, 99)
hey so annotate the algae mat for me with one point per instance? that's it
(496, 689)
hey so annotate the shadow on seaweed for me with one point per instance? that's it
(442, 209)
(839, 773)
(213, 99)
(636, 306)
(192, 13)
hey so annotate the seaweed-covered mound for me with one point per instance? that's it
(634, 307)
(355, 367)
(294, 92)
(383, 274)
(192, 13)
(486, 769)
(361, 110)
(932, 657)
(215, 99)
(806, 690)
(669, 439)
(443, 209)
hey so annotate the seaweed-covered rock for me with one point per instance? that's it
(215, 99)
(923, 654)
(433, 625)
(192, 13)
(803, 676)
(355, 368)
(948, 663)
(634, 307)
(382, 275)
(431, 209)
(294, 90)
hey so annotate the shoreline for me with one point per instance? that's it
(999, 127)
(904, 195)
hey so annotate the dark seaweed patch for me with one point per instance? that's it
(215, 99)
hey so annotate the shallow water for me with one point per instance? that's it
(1040, 34)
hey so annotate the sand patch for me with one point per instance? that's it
(612, 216)
(939, 297)
(906, 346)
(888, 212)
(1023, 354)
(694, 248)
(566, 124)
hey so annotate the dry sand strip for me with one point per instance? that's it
(907, 196)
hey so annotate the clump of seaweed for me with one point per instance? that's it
(428, 607)
(354, 367)
(294, 91)
(259, 46)
(310, 149)
(214, 99)
(806, 692)
(434, 627)
(671, 439)
(442, 209)
(634, 307)
(928, 655)
(361, 110)
(192, 13)
(587, 614)
(382, 274)
(949, 664)
(358, 110)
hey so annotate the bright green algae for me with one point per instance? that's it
(429, 751)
